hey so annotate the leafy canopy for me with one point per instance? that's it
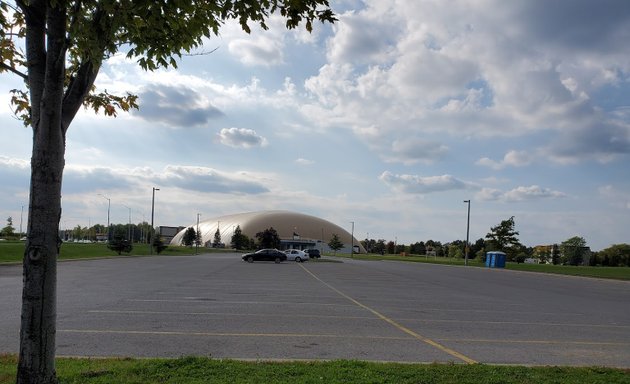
(155, 33)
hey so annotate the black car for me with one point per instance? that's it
(265, 255)
(313, 253)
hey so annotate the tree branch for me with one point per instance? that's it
(76, 92)
(15, 71)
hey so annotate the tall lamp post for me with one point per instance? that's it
(352, 240)
(109, 205)
(21, 218)
(129, 228)
(152, 213)
(467, 233)
(197, 236)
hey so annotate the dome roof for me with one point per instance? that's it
(289, 225)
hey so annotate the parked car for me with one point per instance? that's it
(265, 255)
(313, 253)
(296, 255)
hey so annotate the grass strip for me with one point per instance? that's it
(13, 251)
(205, 370)
(617, 273)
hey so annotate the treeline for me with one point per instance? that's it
(138, 233)
(567, 253)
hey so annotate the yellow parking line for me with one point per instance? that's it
(404, 329)
(226, 334)
(569, 342)
(222, 314)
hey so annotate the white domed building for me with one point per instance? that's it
(296, 230)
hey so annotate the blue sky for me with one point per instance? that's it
(388, 119)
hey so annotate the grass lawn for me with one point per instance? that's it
(13, 251)
(618, 273)
(204, 370)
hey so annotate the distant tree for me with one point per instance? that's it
(455, 250)
(198, 238)
(391, 247)
(401, 248)
(520, 257)
(417, 248)
(368, 244)
(268, 238)
(158, 244)
(504, 237)
(239, 240)
(379, 247)
(477, 246)
(481, 255)
(617, 255)
(335, 243)
(8, 230)
(573, 251)
(119, 244)
(189, 237)
(555, 254)
(216, 243)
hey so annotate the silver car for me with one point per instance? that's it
(296, 255)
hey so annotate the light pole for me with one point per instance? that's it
(129, 229)
(152, 213)
(467, 233)
(21, 218)
(109, 205)
(197, 236)
(352, 240)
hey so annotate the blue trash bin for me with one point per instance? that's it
(495, 259)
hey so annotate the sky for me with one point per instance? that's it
(388, 119)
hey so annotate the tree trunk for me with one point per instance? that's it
(46, 48)
(39, 294)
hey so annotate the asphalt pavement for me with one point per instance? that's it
(217, 305)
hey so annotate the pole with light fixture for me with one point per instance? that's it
(467, 234)
(152, 213)
(352, 240)
(197, 236)
(109, 205)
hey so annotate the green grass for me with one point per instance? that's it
(204, 370)
(13, 251)
(618, 273)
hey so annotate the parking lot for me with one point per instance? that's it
(220, 306)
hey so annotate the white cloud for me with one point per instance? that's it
(415, 184)
(261, 51)
(533, 192)
(471, 69)
(302, 161)
(241, 138)
(412, 150)
(511, 159)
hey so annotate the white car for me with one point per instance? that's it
(296, 255)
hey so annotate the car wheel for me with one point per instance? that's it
(277, 260)
(250, 259)
(298, 259)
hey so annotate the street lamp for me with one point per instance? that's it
(197, 236)
(21, 218)
(352, 240)
(129, 229)
(109, 205)
(152, 213)
(467, 233)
